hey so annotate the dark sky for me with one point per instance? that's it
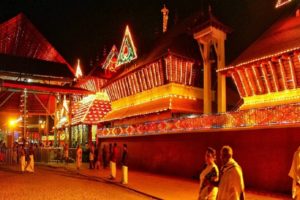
(82, 28)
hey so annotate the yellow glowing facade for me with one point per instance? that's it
(165, 91)
(271, 99)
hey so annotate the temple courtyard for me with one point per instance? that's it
(57, 181)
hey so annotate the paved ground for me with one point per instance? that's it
(51, 184)
(60, 179)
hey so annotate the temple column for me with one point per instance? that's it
(221, 77)
(207, 38)
(207, 79)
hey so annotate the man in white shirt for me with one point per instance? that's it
(231, 186)
(295, 175)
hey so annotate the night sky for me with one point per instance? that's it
(83, 28)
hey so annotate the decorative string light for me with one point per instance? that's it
(181, 74)
(144, 80)
(258, 79)
(176, 69)
(191, 72)
(250, 81)
(127, 51)
(282, 73)
(282, 3)
(159, 73)
(243, 82)
(247, 119)
(267, 82)
(292, 70)
(140, 80)
(237, 85)
(274, 76)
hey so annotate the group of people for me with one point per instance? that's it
(26, 158)
(112, 156)
(226, 183)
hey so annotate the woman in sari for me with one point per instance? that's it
(209, 177)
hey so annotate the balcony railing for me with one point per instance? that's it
(277, 116)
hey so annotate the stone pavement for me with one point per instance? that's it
(157, 186)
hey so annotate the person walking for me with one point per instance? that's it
(124, 165)
(78, 157)
(110, 155)
(92, 156)
(22, 159)
(231, 186)
(15, 153)
(30, 163)
(114, 161)
(209, 177)
(294, 173)
(97, 157)
(66, 153)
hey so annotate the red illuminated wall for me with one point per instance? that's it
(265, 155)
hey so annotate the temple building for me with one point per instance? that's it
(171, 103)
(267, 73)
(167, 82)
(34, 79)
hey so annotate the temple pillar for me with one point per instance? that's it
(212, 37)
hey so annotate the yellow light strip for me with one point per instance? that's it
(292, 72)
(282, 73)
(191, 73)
(140, 80)
(144, 80)
(267, 82)
(176, 68)
(150, 76)
(165, 91)
(257, 79)
(274, 76)
(136, 82)
(249, 81)
(167, 66)
(272, 99)
(171, 69)
(243, 82)
(186, 73)
(157, 73)
(237, 86)
(181, 61)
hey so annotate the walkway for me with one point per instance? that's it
(157, 186)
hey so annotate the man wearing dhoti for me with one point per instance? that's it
(78, 157)
(124, 165)
(114, 162)
(295, 175)
(231, 186)
(22, 159)
(30, 164)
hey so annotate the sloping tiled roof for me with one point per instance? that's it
(20, 38)
(90, 112)
(282, 37)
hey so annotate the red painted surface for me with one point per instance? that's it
(264, 155)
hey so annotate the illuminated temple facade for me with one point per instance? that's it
(181, 97)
